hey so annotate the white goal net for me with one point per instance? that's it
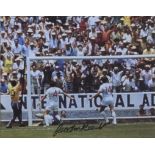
(80, 77)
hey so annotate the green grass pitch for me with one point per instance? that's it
(122, 130)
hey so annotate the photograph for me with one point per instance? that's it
(77, 76)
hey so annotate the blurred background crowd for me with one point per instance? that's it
(22, 37)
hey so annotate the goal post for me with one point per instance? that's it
(29, 59)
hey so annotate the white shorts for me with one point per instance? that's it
(51, 107)
(107, 101)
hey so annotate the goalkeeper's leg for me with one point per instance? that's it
(57, 118)
(48, 119)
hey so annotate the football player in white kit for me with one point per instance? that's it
(52, 95)
(107, 99)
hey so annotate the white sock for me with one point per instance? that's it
(114, 117)
(58, 117)
(105, 117)
(48, 119)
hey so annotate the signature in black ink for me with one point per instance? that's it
(84, 127)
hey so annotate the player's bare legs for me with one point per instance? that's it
(113, 114)
(102, 112)
(56, 116)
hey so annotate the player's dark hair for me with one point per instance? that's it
(104, 79)
(13, 83)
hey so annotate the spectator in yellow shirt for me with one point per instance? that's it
(8, 64)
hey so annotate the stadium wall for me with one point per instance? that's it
(126, 105)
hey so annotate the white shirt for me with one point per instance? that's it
(147, 75)
(143, 33)
(89, 48)
(130, 63)
(17, 50)
(1, 63)
(80, 53)
(116, 78)
(47, 32)
(83, 68)
(17, 67)
(153, 70)
(91, 21)
(127, 37)
(106, 90)
(53, 95)
(53, 43)
(8, 53)
(128, 84)
(122, 51)
(35, 74)
(150, 39)
(32, 53)
(151, 84)
(12, 20)
(92, 34)
(71, 40)
(35, 77)
(63, 43)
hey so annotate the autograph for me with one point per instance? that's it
(84, 127)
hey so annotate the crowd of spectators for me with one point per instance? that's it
(21, 37)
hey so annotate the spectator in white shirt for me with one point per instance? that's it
(151, 38)
(143, 32)
(63, 41)
(8, 52)
(80, 51)
(91, 21)
(17, 48)
(129, 84)
(151, 83)
(147, 75)
(32, 50)
(3, 37)
(121, 50)
(127, 37)
(18, 64)
(116, 79)
(92, 33)
(53, 41)
(35, 85)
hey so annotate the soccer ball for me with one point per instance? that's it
(40, 115)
